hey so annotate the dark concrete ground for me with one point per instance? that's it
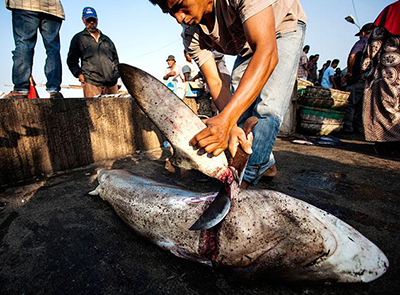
(54, 239)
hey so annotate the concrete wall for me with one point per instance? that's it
(42, 136)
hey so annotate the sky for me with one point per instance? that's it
(144, 36)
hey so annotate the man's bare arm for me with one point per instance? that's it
(332, 81)
(220, 92)
(350, 63)
(260, 33)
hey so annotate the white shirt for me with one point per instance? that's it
(178, 73)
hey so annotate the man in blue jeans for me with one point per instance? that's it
(267, 37)
(27, 18)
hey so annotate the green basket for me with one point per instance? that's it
(316, 96)
(320, 121)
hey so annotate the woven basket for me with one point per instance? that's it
(319, 129)
(302, 85)
(316, 96)
(320, 121)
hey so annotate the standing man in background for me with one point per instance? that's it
(98, 72)
(27, 18)
(356, 82)
(303, 71)
(321, 72)
(328, 77)
(312, 68)
(173, 72)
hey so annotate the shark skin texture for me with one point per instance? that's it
(265, 232)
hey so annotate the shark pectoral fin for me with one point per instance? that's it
(215, 213)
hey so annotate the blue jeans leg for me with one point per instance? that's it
(25, 25)
(49, 29)
(273, 101)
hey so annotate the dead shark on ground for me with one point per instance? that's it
(265, 233)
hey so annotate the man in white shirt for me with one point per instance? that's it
(173, 72)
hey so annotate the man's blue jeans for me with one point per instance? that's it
(273, 101)
(25, 27)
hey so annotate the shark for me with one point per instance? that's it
(264, 233)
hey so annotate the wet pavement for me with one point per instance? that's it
(54, 238)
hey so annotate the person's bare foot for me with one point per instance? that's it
(244, 184)
(271, 172)
(269, 175)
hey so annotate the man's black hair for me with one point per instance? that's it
(154, 2)
(335, 61)
(306, 47)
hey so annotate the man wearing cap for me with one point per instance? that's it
(27, 18)
(173, 72)
(266, 36)
(355, 82)
(98, 71)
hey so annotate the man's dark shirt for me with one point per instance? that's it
(99, 60)
(312, 70)
(357, 49)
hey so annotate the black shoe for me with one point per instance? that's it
(56, 95)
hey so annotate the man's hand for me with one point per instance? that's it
(214, 138)
(238, 137)
(81, 78)
(218, 135)
(244, 136)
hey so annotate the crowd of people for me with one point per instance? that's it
(372, 78)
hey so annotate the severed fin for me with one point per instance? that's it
(215, 213)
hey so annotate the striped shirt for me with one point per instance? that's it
(53, 7)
